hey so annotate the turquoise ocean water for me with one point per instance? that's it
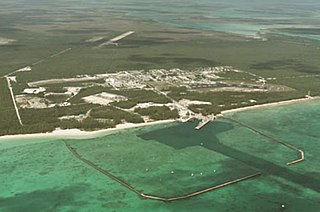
(174, 159)
(170, 160)
(248, 18)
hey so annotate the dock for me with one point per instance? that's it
(204, 121)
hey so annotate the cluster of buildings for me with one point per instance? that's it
(178, 77)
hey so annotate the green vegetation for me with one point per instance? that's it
(8, 117)
(46, 120)
(18, 87)
(153, 46)
(114, 114)
(51, 115)
(57, 98)
(40, 120)
(55, 88)
(225, 100)
(88, 124)
(125, 104)
(88, 92)
(136, 96)
(158, 113)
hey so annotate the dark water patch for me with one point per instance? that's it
(274, 202)
(117, 204)
(43, 200)
(183, 136)
(114, 199)
(314, 174)
(286, 187)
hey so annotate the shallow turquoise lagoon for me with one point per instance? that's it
(171, 160)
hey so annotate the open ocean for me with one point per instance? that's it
(171, 160)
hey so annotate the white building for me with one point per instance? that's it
(34, 90)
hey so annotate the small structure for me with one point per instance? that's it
(34, 90)
(12, 79)
(64, 104)
(309, 95)
(27, 68)
(104, 98)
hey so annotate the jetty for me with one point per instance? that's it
(204, 121)
(271, 138)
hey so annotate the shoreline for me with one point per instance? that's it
(79, 134)
(267, 105)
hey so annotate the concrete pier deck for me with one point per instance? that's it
(204, 121)
(202, 124)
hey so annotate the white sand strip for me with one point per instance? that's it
(78, 134)
(281, 103)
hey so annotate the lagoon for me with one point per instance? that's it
(168, 160)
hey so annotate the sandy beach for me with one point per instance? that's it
(79, 134)
(273, 104)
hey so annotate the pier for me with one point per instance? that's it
(204, 121)
(154, 197)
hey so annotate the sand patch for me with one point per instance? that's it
(187, 102)
(31, 102)
(104, 98)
